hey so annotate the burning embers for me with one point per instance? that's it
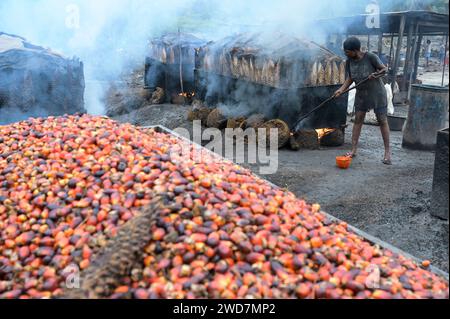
(187, 96)
(170, 66)
(324, 132)
(183, 98)
(332, 137)
(314, 139)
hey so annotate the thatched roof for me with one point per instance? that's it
(274, 45)
(13, 42)
(184, 39)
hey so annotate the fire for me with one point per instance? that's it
(187, 95)
(324, 132)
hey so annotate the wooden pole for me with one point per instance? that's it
(445, 57)
(181, 62)
(409, 43)
(413, 53)
(398, 50)
(391, 51)
(380, 44)
(339, 41)
(417, 56)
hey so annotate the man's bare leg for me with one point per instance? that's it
(386, 133)
(357, 127)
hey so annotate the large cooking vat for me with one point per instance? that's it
(274, 74)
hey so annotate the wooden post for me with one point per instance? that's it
(398, 51)
(368, 43)
(406, 71)
(445, 57)
(391, 51)
(413, 58)
(417, 56)
(340, 41)
(181, 62)
(380, 44)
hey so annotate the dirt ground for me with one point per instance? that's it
(391, 203)
(433, 77)
(388, 202)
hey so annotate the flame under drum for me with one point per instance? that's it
(324, 132)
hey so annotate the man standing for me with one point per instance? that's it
(371, 95)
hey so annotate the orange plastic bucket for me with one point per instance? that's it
(343, 162)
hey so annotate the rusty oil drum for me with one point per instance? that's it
(428, 114)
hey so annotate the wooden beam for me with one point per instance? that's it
(380, 44)
(417, 56)
(398, 51)
(414, 50)
(406, 70)
(391, 51)
(339, 41)
(445, 57)
(443, 27)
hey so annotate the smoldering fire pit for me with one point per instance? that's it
(170, 66)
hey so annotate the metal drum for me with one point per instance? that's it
(439, 202)
(428, 114)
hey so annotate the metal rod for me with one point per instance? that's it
(445, 57)
(304, 117)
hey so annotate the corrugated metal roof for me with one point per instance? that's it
(431, 23)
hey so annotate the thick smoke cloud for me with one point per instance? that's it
(110, 34)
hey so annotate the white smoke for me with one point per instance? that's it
(108, 35)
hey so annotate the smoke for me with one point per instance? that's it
(11, 115)
(107, 35)
(111, 35)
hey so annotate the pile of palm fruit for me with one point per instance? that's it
(141, 219)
